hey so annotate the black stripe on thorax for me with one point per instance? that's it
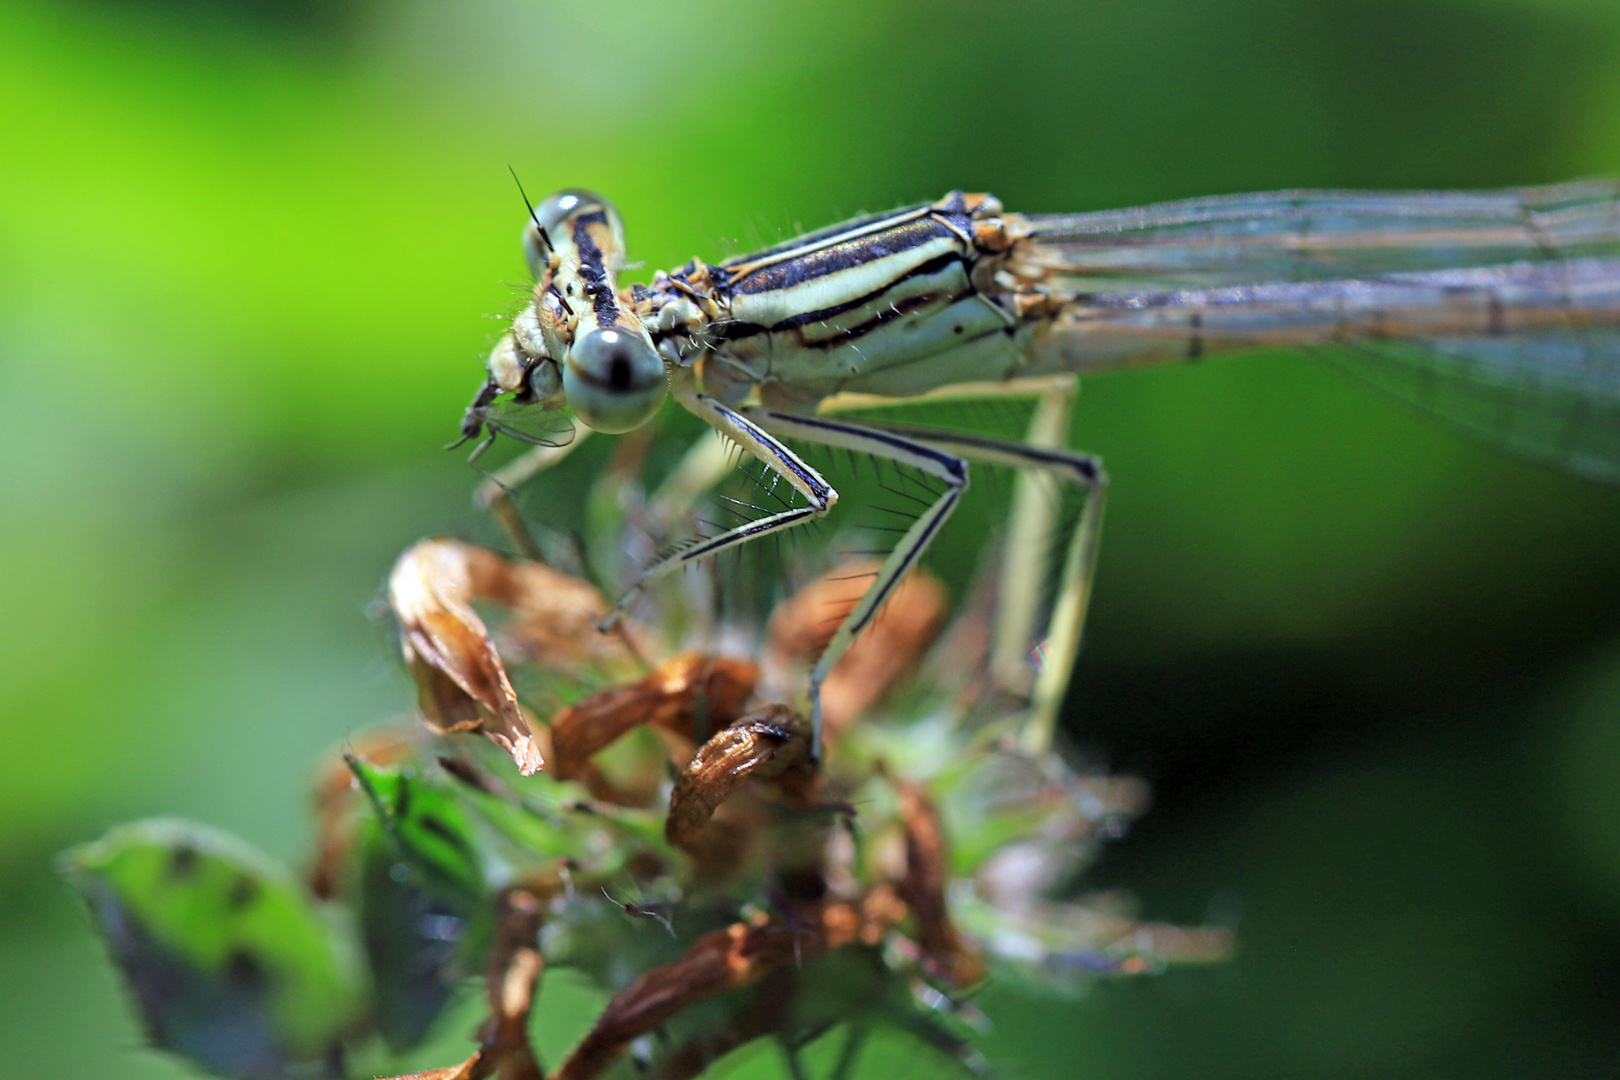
(820, 236)
(833, 258)
(932, 266)
(896, 310)
(736, 331)
(593, 268)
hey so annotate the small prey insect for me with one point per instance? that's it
(1498, 311)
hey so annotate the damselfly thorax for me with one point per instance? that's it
(1499, 311)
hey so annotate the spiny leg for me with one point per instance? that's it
(899, 447)
(1068, 622)
(1069, 614)
(1033, 523)
(735, 425)
(1034, 510)
(1034, 518)
(920, 448)
(710, 460)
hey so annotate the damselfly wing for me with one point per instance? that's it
(1498, 311)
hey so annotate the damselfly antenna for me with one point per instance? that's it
(545, 237)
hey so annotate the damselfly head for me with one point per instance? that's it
(576, 345)
(549, 219)
(609, 370)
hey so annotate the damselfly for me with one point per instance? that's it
(1498, 311)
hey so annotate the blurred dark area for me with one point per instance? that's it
(252, 255)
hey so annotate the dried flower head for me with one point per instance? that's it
(924, 847)
(683, 849)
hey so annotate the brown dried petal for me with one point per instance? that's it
(718, 962)
(464, 1071)
(554, 616)
(688, 695)
(923, 889)
(461, 682)
(765, 744)
(885, 653)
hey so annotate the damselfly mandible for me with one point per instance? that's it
(1498, 311)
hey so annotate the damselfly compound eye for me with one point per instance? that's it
(614, 380)
(554, 210)
(541, 232)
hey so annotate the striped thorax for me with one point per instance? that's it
(893, 304)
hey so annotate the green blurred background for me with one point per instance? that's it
(251, 254)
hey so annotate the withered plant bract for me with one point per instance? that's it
(649, 814)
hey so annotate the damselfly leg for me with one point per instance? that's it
(1032, 526)
(941, 454)
(495, 493)
(1025, 555)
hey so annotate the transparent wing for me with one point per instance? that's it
(1298, 236)
(1497, 311)
(1552, 397)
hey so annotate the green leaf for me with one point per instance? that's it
(445, 846)
(419, 946)
(227, 961)
(468, 844)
